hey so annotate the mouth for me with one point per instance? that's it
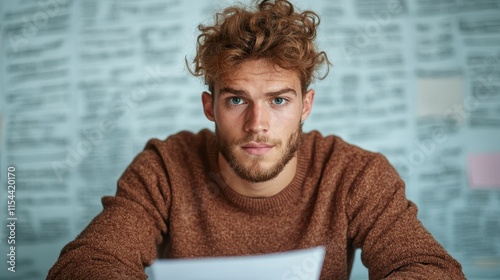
(257, 148)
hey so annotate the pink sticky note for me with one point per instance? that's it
(484, 170)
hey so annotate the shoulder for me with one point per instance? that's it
(182, 143)
(333, 148)
(339, 160)
(184, 146)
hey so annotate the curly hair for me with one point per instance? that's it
(273, 31)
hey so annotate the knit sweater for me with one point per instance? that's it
(171, 202)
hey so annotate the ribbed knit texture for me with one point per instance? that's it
(172, 202)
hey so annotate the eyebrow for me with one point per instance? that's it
(228, 90)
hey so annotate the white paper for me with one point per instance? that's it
(302, 264)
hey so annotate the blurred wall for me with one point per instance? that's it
(84, 84)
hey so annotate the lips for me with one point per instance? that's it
(257, 148)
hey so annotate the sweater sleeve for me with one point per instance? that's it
(383, 223)
(122, 239)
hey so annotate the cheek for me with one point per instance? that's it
(226, 120)
(230, 116)
(288, 118)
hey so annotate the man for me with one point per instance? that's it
(258, 184)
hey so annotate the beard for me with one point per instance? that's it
(251, 169)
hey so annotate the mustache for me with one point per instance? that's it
(257, 139)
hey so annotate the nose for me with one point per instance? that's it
(257, 119)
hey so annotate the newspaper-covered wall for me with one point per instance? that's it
(86, 83)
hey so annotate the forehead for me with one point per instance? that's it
(259, 73)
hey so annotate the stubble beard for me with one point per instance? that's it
(252, 171)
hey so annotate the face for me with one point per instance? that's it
(258, 111)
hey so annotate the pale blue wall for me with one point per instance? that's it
(416, 80)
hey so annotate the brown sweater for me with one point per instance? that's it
(171, 202)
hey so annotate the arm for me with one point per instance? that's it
(384, 224)
(122, 239)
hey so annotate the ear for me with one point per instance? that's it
(307, 102)
(208, 106)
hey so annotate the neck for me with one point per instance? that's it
(261, 189)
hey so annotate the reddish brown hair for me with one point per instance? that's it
(273, 31)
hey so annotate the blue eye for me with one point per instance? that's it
(235, 101)
(279, 100)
